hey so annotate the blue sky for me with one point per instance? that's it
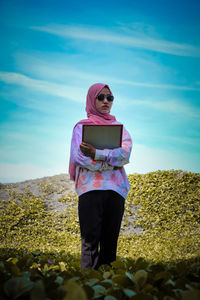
(52, 51)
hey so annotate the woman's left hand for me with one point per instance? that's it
(88, 150)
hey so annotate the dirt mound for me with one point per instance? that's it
(52, 188)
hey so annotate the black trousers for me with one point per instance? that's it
(100, 216)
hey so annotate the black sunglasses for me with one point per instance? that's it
(109, 97)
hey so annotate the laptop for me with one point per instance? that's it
(103, 136)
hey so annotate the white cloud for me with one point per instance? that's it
(58, 71)
(78, 94)
(131, 41)
(179, 107)
(145, 159)
(73, 93)
(154, 85)
(172, 106)
(25, 171)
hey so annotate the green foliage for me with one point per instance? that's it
(26, 223)
(40, 248)
(167, 207)
(48, 188)
(166, 199)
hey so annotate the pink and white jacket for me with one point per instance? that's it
(105, 171)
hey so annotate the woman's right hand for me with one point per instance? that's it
(88, 150)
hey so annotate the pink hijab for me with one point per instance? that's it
(94, 117)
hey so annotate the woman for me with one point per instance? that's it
(101, 182)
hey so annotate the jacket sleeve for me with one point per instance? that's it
(117, 157)
(79, 159)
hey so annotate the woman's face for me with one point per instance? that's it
(104, 106)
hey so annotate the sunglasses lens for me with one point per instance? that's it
(110, 98)
(100, 97)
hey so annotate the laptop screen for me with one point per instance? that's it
(103, 136)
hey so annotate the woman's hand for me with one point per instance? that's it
(88, 150)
